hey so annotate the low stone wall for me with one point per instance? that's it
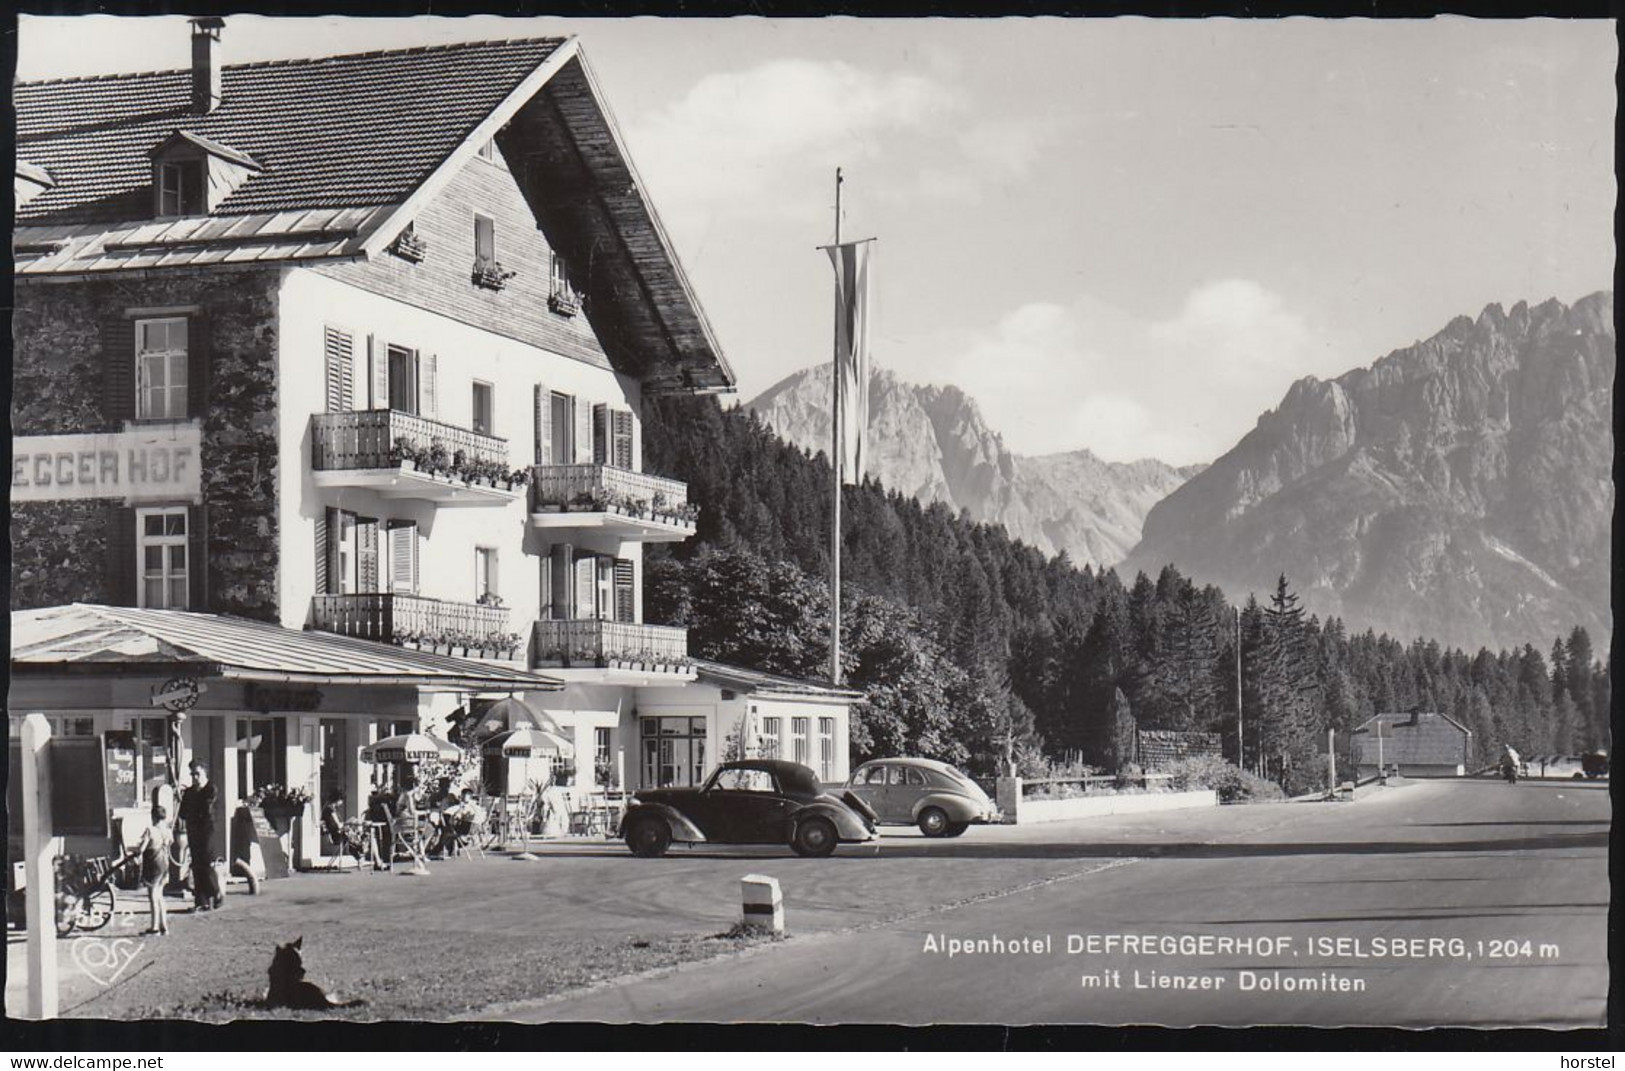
(1018, 811)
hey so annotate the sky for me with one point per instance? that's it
(1125, 235)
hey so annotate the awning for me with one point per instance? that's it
(81, 638)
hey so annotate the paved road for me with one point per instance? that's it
(1499, 895)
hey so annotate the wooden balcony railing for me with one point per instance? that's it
(366, 439)
(602, 644)
(576, 485)
(414, 619)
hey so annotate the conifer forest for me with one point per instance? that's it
(978, 650)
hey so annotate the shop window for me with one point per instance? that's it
(826, 749)
(798, 739)
(484, 408)
(152, 737)
(71, 725)
(161, 557)
(160, 369)
(673, 752)
(262, 754)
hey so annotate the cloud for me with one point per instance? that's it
(1234, 330)
(735, 134)
(1051, 377)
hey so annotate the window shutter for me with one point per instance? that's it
(378, 363)
(586, 576)
(621, 456)
(323, 571)
(366, 543)
(544, 425)
(197, 565)
(600, 435)
(198, 363)
(121, 555)
(625, 602)
(562, 589)
(403, 557)
(118, 361)
(340, 371)
(429, 386)
(583, 428)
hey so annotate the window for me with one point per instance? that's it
(152, 740)
(161, 557)
(744, 781)
(485, 574)
(673, 751)
(561, 286)
(403, 379)
(71, 725)
(897, 775)
(262, 753)
(485, 240)
(826, 749)
(352, 554)
(876, 775)
(484, 408)
(771, 728)
(180, 188)
(562, 425)
(798, 739)
(603, 759)
(488, 150)
(160, 369)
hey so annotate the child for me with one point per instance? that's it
(154, 851)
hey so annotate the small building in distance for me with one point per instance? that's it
(1414, 744)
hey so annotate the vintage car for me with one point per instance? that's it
(932, 795)
(1594, 764)
(757, 801)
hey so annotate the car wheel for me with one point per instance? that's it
(934, 822)
(648, 837)
(955, 829)
(815, 837)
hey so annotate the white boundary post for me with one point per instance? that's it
(38, 874)
(762, 902)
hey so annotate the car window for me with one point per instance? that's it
(898, 776)
(915, 777)
(745, 781)
(876, 775)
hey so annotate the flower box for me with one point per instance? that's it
(564, 304)
(410, 246)
(491, 275)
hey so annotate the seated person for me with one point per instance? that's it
(342, 833)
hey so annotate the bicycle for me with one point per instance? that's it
(86, 897)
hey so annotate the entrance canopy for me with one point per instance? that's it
(82, 638)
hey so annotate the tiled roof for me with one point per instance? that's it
(336, 132)
(78, 637)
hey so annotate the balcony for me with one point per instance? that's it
(612, 645)
(626, 505)
(464, 629)
(402, 455)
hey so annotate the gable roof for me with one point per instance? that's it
(81, 638)
(351, 147)
(1423, 737)
(336, 132)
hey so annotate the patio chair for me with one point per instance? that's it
(410, 836)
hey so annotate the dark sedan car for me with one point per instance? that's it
(757, 801)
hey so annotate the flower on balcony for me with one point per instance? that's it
(410, 245)
(280, 798)
(438, 459)
(564, 302)
(491, 274)
(489, 598)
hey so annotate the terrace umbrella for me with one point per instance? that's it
(405, 747)
(526, 743)
(514, 713)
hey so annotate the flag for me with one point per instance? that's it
(852, 354)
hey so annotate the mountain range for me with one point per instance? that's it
(932, 443)
(1459, 488)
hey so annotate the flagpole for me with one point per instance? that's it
(836, 458)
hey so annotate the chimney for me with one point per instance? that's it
(206, 64)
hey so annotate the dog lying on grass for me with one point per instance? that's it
(288, 988)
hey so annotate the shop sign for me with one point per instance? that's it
(158, 462)
(268, 697)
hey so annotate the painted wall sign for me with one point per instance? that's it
(158, 462)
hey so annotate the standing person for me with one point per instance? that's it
(197, 814)
(154, 849)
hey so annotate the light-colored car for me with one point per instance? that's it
(932, 795)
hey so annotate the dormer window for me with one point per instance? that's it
(180, 188)
(191, 175)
